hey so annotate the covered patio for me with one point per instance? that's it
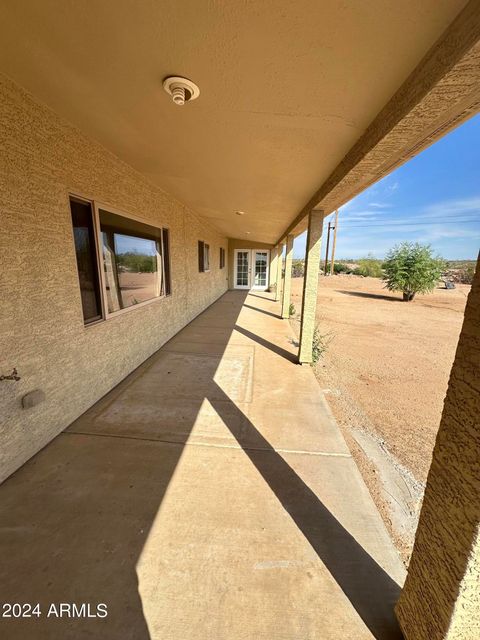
(163, 451)
(209, 495)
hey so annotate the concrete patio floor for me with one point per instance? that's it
(209, 496)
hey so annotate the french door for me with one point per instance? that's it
(251, 269)
(260, 269)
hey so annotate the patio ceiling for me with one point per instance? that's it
(287, 88)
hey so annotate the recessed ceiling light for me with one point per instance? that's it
(240, 213)
(247, 232)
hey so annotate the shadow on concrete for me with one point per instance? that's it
(374, 296)
(369, 588)
(267, 313)
(76, 517)
(266, 296)
(267, 344)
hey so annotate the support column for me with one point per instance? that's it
(279, 272)
(441, 596)
(273, 269)
(288, 277)
(310, 284)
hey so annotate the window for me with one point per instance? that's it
(203, 256)
(86, 254)
(135, 260)
(222, 257)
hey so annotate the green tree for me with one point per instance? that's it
(412, 268)
(139, 262)
(370, 267)
(339, 267)
(297, 268)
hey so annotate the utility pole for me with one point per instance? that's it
(326, 251)
(332, 264)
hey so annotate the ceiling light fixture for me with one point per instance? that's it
(240, 213)
(181, 89)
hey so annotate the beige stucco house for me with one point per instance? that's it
(124, 215)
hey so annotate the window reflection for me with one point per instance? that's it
(132, 265)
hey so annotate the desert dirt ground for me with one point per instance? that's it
(137, 287)
(385, 373)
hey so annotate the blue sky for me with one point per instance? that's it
(433, 199)
(124, 244)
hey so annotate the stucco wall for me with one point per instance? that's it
(42, 159)
(235, 243)
(441, 597)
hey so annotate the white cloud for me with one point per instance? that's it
(453, 208)
(385, 186)
(360, 215)
(439, 233)
(380, 205)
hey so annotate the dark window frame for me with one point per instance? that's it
(203, 257)
(93, 251)
(222, 258)
(166, 261)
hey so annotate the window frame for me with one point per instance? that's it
(167, 262)
(96, 206)
(206, 257)
(222, 258)
(91, 204)
(202, 254)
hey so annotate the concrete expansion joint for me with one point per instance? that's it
(212, 445)
(301, 452)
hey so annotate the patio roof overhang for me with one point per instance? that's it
(302, 104)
